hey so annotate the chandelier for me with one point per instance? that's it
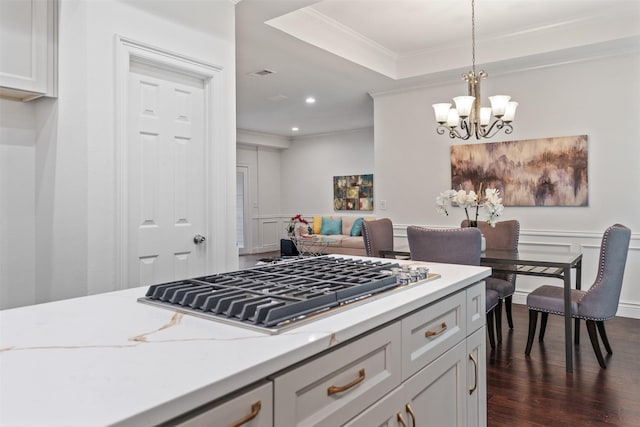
(469, 117)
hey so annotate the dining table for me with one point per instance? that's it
(556, 265)
(544, 264)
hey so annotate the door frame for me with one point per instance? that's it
(247, 223)
(126, 51)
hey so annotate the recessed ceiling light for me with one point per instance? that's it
(310, 100)
(295, 129)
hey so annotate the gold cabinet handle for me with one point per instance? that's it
(255, 409)
(340, 388)
(409, 410)
(475, 373)
(443, 327)
(401, 420)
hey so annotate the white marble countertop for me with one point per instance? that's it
(108, 360)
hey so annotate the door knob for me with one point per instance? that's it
(199, 239)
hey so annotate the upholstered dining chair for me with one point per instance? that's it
(378, 236)
(595, 305)
(505, 236)
(453, 246)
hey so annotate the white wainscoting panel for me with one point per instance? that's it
(271, 230)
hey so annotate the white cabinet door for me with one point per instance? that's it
(27, 48)
(253, 408)
(435, 396)
(476, 307)
(383, 413)
(477, 379)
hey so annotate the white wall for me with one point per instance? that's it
(598, 98)
(308, 168)
(17, 203)
(74, 138)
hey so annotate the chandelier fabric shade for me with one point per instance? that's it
(468, 118)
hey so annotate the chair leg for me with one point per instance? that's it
(533, 319)
(507, 309)
(603, 335)
(593, 336)
(498, 317)
(576, 329)
(543, 325)
(490, 327)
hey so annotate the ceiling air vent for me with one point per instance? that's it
(262, 73)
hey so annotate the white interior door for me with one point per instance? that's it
(166, 175)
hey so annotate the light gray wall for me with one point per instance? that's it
(308, 168)
(64, 158)
(598, 98)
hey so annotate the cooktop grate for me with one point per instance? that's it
(271, 297)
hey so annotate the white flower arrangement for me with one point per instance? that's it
(491, 203)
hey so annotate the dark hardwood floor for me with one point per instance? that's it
(536, 390)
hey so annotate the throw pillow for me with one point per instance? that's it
(331, 226)
(317, 224)
(356, 229)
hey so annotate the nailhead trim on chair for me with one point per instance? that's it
(596, 283)
(599, 278)
(561, 313)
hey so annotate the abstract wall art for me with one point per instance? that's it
(353, 193)
(534, 172)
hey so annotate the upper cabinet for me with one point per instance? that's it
(28, 49)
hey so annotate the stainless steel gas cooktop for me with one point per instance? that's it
(273, 297)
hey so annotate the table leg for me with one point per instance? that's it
(567, 320)
(578, 286)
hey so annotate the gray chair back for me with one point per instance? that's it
(505, 235)
(378, 236)
(600, 302)
(453, 246)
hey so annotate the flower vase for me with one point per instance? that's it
(483, 244)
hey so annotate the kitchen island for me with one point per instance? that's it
(109, 360)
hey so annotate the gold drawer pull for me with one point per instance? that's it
(340, 388)
(475, 373)
(443, 327)
(255, 409)
(401, 420)
(409, 410)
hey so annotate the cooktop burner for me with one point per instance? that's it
(272, 297)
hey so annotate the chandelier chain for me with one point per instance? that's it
(473, 36)
(468, 118)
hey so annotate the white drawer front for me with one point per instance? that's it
(366, 369)
(251, 409)
(430, 332)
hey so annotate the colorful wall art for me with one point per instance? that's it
(534, 172)
(353, 193)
